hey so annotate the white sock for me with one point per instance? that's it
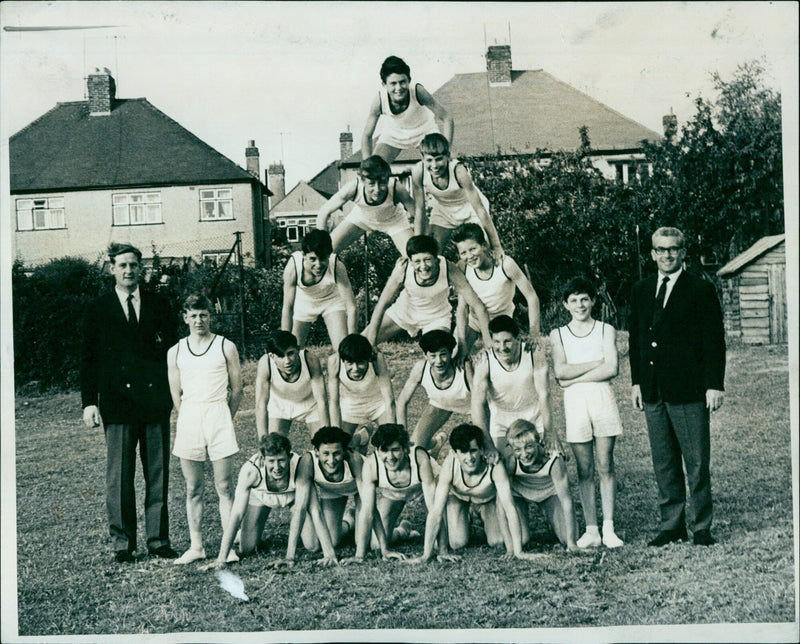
(593, 530)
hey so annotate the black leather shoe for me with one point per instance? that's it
(124, 556)
(165, 552)
(668, 536)
(704, 538)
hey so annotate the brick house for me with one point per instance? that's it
(87, 173)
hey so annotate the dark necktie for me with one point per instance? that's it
(662, 293)
(132, 319)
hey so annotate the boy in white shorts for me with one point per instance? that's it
(406, 113)
(469, 479)
(289, 386)
(316, 285)
(511, 382)
(446, 384)
(266, 481)
(201, 368)
(584, 362)
(382, 204)
(537, 477)
(425, 278)
(445, 186)
(360, 388)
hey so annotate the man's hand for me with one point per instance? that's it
(552, 444)
(713, 399)
(388, 555)
(214, 565)
(636, 397)
(352, 560)
(492, 455)
(91, 416)
(327, 561)
(279, 563)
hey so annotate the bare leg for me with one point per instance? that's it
(495, 524)
(584, 459)
(457, 513)
(300, 330)
(388, 329)
(555, 517)
(252, 526)
(400, 239)
(431, 420)
(336, 323)
(223, 482)
(279, 426)
(441, 235)
(388, 152)
(345, 234)
(193, 473)
(389, 511)
(333, 512)
(608, 488)
(522, 510)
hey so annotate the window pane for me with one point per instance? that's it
(152, 197)
(206, 194)
(56, 202)
(24, 220)
(154, 213)
(224, 193)
(208, 210)
(291, 234)
(40, 203)
(57, 218)
(226, 210)
(137, 215)
(137, 198)
(24, 204)
(119, 199)
(121, 215)
(39, 219)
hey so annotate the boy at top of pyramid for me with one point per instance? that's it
(406, 110)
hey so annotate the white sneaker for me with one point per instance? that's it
(232, 556)
(589, 541)
(191, 555)
(611, 540)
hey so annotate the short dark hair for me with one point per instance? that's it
(578, 285)
(503, 323)
(197, 302)
(463, 435)
(469, 231)
(317, 241)
(394, 65)
(432, 341)
(329, 435)
(274, 444)
(389, 433)
(422, 244)
(280, 342)
(375, 168)
(355, 348)
(117, 248)
(434, 143)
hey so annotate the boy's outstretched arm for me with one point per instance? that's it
(464, 179)
(420, 217)
(346, 193)
(369, 127)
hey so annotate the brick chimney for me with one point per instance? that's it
(251, 157)
(670, 124)
(498, 64)
(277, 182)
(102, 91)
(345, 144)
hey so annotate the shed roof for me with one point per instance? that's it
(751, 254)
(136, 144)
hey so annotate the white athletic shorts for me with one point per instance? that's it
(500, 419)
(590, 410)
(204, 428)
(308, 310)
(453, 216)
(392, 226)
(305, 410)
(360, 412)
(411, 322)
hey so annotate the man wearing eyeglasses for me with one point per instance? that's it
(677, 354)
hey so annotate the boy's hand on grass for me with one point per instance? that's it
(328, 561)
(393, 554)
(352, 560)
(280, 563)
(214, 565)
(448, 556)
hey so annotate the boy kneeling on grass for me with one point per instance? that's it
(467, 478)
(266, 481)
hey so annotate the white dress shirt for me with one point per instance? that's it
(673, 277)
(123, 300)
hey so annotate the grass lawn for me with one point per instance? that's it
(68, 584)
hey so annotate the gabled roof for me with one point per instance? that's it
(326, 181)
(751, 254)
(535, 112)
(135, 145)
(301, 198)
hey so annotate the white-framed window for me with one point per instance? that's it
(40, 214)
(136, 208)
(217, 257)
(216, 203)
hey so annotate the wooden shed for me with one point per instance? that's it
(754, 293)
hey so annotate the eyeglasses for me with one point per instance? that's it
(672, 250)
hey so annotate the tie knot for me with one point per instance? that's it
(130, 296)
(664, 281)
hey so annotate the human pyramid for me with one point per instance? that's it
(507, 457)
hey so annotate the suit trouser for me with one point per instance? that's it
(121, 442)
(681, 434)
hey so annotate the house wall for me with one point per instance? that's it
(762, 298)
(88, 216)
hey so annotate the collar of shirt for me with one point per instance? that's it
(673, 277)
(123, 300)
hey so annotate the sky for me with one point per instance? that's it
(292, 76)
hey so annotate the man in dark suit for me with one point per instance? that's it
(677, 354)
(124, 386)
